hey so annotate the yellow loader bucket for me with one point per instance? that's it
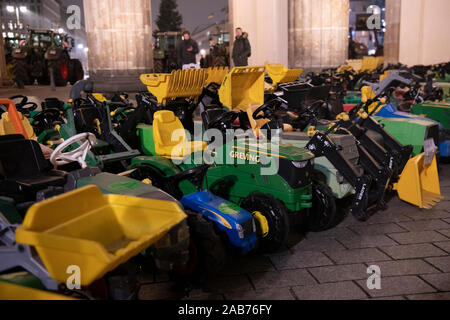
(356, 64)
(280, 74)
(242, 87)
(419, 184)
(178, 84)
(9, 291)
(216, 75)
(94, 232)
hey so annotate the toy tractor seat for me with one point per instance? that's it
(166, 127)
(23, 165)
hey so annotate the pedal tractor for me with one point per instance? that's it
(237, 172)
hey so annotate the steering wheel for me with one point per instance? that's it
(224, 121)
(195, 176)
(268, 110)
(23, 100)
(47, 119)
(60, 158)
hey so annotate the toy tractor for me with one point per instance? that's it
(237, 173)
(82, 231)
(164, 54)
(265, 119)
(46, 50)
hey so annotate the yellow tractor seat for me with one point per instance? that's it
(170, 137)
(258, 124)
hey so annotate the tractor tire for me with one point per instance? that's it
(76, 72)
(172, 251)
(158, 66)
(60, 71)
(207, 254)
(277, 218)
(21, 72)
(323, 213)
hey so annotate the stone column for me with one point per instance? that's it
(119, 37)
(392, 35)
(318, 33)
(266, 23)
(417, 31)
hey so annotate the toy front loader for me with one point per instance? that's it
(86, 231)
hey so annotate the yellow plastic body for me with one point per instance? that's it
(93, 231)
(216, 75)
(355, 64)
(178, 84)
(262, 222)
(419, 184)
(280, 74)
(100, 97)
(243, 87)
(9, 291)
(7, 126)
(368, 93)
(170, 137)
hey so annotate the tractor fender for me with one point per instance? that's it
(79, 87)
(53, 54)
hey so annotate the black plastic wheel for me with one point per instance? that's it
(275, 213)
(323, 213)
(207, 254)
(76, 71)
(60, 70)
(21, 72)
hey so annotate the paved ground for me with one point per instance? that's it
(411, 247)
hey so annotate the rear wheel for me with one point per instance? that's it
(207, 254)
(60, 69)
(323, 214)
(277, 219)
(21, 72)
(77, 72)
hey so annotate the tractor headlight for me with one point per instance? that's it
(300, 165)
(340, 178)
(240, 230)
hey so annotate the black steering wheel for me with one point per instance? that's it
(195, 176)
(23, 100)
(268, 110)
(224, 121)
(47, 119)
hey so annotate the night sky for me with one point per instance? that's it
(194, 12)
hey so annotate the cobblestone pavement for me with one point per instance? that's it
(411, 246)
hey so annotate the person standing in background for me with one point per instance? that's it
(241, 49)
(187, 52)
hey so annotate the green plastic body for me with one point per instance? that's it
(408, 131)
(437, 111)
(239, 173)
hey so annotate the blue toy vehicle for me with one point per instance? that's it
(233, 223)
